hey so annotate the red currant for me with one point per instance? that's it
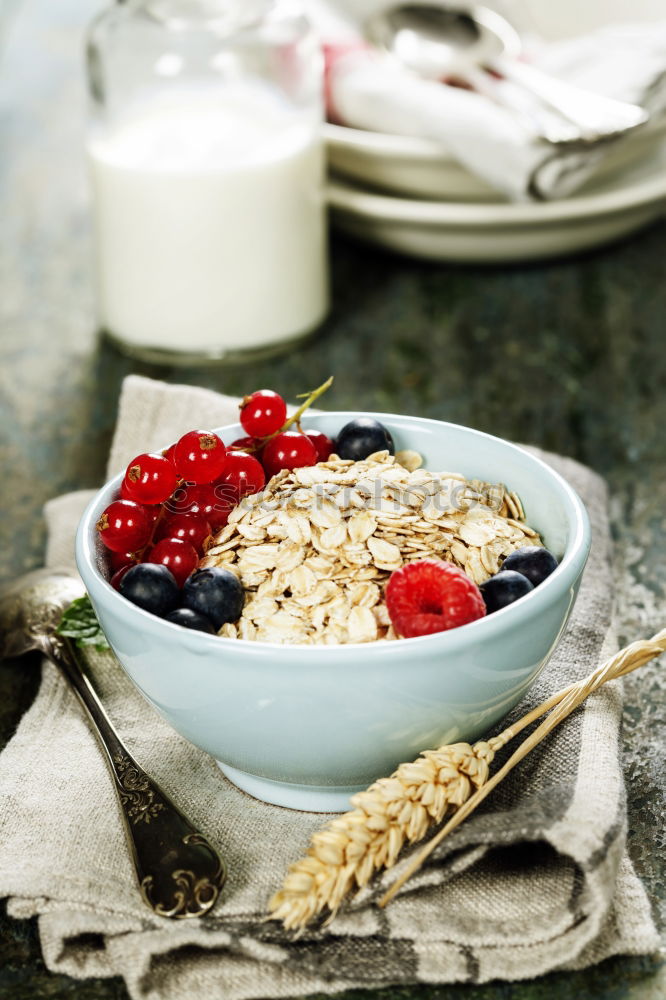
(289, 450)
(199, 456)
(124, 526)
(190, 528)
(119, 574)
(249, 444)
(243, 473)
(177, 555)
(178, 502)
(168, 452)
(152, 510)
(324, 445)
(263, 413)
(211, 502)
(116, 560)
(150, 479)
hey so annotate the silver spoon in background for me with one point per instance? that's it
(437, 40)
(179, 873)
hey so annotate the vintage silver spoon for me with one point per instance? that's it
(179, 873)
(438, 40)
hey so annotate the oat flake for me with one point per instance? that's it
(315, 548)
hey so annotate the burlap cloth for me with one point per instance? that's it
(537, 880)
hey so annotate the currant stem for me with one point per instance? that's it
(160, 517)
(295, 417)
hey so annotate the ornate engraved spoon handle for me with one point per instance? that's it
(180, 874)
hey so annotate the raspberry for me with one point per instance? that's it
(431, 596)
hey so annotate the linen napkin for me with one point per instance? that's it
(368, 90)
(538, 879)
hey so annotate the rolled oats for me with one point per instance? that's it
(290, 555)
(302, 581)
(325, 514)
(362, 625)
(410, 460)
(315, 548)
(361, 525)
(364, 594)
(333, 538)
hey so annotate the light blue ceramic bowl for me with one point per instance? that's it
(305, 726)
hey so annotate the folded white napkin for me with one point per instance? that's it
(367, 90)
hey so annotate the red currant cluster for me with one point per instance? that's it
(263, 417)
(170, 504)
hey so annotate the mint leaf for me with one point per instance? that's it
(79, 622)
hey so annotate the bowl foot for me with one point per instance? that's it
(308, 798)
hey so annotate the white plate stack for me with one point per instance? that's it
(408, 195)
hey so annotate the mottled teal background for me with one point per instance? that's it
(567, 355)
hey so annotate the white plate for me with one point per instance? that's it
(401, 164)
(492, 233)
(419, 168)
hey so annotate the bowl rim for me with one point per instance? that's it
(561, 580)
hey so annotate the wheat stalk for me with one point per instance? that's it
(400, 809)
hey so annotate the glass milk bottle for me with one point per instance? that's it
(206, 159)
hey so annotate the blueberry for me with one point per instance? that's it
(361, 437)
(216, 593)
(152, 587)
(533, 561)
(191, 619)
(504, 588)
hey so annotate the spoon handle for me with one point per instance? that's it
(597, 117)
(538, 123)
(180, 874)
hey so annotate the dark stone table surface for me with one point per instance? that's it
(569, 355)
